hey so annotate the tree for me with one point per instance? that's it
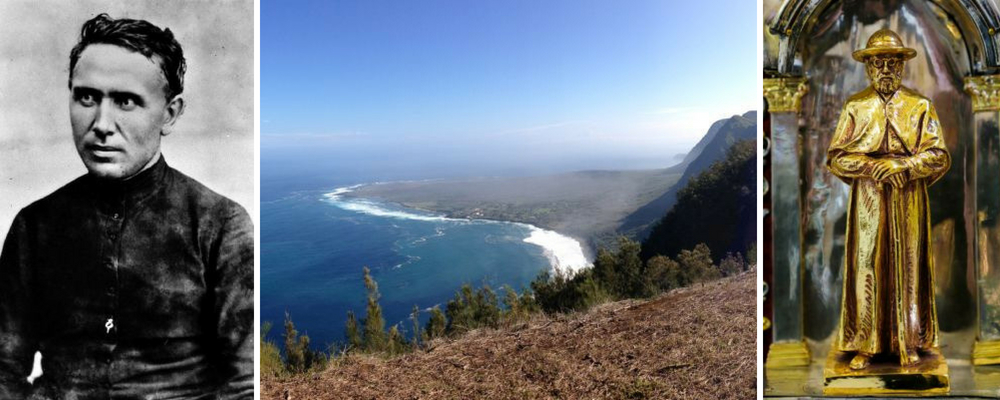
(528, 303)
(470, 309)
(459, 310)
(310, 358)
(664, 273)
(415, 316)
(270, 358)
(436, 324)
(396, 343)
(632, 283)
(511, 300)
(374, 336)
(696, 265)
(605, 270)
(519, 305)
(487, 312)
(294, 359)
(298, 356)
(560, 293)
(732, 264)
(352, 333)
(551, 291)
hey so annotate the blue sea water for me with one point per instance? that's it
(314, 246)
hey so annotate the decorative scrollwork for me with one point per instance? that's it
(985, 92)
(785, 94)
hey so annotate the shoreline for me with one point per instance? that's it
(564, 253)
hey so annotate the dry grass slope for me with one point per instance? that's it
(692, 343)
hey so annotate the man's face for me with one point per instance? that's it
(118, 110)
(885, 71)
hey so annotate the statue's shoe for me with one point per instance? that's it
(860, 361)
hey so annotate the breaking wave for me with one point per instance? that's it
(372, 208)
(563, 252)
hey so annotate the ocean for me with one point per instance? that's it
(315, 242)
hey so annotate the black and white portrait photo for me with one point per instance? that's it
(127, 202)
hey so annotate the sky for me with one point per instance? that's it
(500, 82)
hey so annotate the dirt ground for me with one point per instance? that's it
(692, 343)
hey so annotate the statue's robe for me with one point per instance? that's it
(888, 298)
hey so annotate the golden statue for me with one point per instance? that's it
(888, 147)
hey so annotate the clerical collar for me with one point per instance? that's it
(887, 99)
(134, 188)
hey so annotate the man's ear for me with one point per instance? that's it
(171, 113)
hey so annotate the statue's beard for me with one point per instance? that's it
(887, 85)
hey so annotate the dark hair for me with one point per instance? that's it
(141, 37)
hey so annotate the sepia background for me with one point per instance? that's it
(212, 142)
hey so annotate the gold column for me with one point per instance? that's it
(985, 94)
(784, 97)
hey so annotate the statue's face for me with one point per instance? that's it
(885, 71)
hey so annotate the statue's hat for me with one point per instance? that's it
(884, 41)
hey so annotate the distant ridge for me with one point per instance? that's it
(711, 148)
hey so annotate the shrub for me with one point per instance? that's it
(561, 293)
(605, 270)
(696, 265)
(294, 359)
(436, 325)
(298, 356)
(396, 343)
(664, 273)
(518, 306)
(732, 264)
(351, 331)
(470, 309)
(270, 357)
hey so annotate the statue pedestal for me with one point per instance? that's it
(986, 352)
(885, 376)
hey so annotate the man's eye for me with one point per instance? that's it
(127, 103)
(86, 99)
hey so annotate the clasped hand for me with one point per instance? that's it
(890, 171)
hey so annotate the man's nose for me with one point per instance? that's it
(104, 120)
